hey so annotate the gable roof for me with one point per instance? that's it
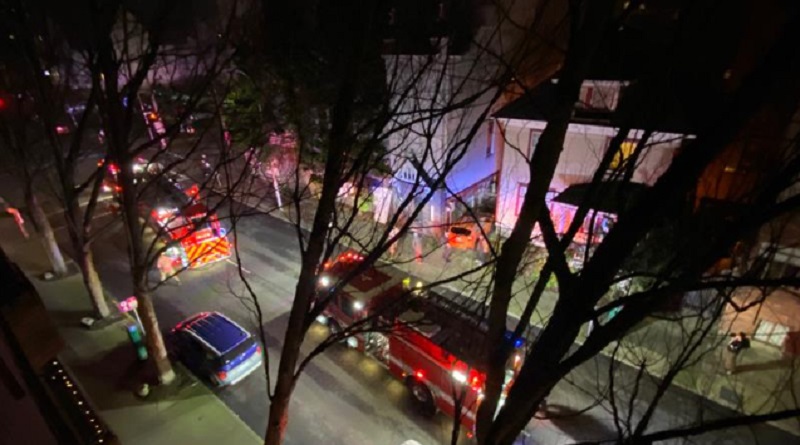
(539, 103)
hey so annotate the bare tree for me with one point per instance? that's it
(699, 240)
(359, 111)
(27, 164)
(46, 68)
(126, 58)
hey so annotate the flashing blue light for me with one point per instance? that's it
(518, 343)
(222, 232)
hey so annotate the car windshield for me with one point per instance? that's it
(460, 231)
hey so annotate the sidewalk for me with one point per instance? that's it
(764, 381)
(103, 363)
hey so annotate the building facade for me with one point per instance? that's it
(588, 136)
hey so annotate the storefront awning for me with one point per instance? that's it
(610, 197)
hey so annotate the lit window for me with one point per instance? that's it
(621, 157)
(521, 190)
(534, 141)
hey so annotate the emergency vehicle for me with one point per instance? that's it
(171, 205)
(195, 234)
(432, 342)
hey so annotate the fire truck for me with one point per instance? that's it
(431, 341)
(171, 205)
(195, 236)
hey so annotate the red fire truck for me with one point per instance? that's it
(171, 204)
(432, 342)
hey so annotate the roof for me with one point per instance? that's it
(539, 103)
(627, 54)
(216, 331)
(611, 197)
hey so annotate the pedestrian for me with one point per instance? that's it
(446, 248)
(166, 270)
(17, 217)
(482, 249)
(738, 342)
(416, 242)
(393, 242)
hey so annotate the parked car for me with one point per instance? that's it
(465, 233)
(214, 347)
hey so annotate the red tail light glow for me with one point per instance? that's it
(222, 375)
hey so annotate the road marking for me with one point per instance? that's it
(228, 260)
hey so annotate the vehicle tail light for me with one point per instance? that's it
(258, 349)
(420, 375)
(222, 375)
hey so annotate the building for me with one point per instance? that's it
(593, 125)
(437, 54)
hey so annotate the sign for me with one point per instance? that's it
(128, 304)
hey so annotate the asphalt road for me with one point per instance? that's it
(346, 398)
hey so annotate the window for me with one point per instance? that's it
(490, 140)
(626, 149)
(598, 96)
(521, 190)
(770, 332)
(533, 142)
(346, 305)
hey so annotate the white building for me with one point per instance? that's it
(445, 68)
(587, 140)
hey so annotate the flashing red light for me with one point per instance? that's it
(62, 129)
(258, 349)
(419, 375)
(222, 375)
(475, 381)
(3, 104)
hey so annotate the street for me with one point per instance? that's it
(345, 397)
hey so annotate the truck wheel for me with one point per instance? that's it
(423, 398)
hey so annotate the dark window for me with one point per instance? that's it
(461, 231)
(346, 304)
(490, 140)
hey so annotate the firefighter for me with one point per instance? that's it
(393, 246)
(416, 243)
(166, 270)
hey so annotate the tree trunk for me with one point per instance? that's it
(139, 269)
(279, 405)
(43, 227)
(587, 27)
(338, 140)
(92, 282)
(155, 341)
(306, 283)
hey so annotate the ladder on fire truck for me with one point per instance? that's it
(152, 118)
